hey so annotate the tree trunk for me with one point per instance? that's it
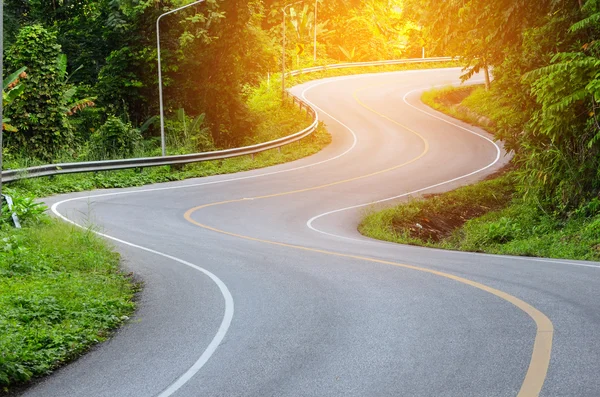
(488, 83)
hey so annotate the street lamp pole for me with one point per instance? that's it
(283, 52)
(316, 10)
(163, 143)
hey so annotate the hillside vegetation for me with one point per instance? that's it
(544, 103)
(491, 216)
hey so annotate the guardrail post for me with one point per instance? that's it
(284, 97)
(14, 216)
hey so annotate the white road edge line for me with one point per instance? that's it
(229, 303)
(223, 288)
(303, 94)
(227, 316)
(310, 222)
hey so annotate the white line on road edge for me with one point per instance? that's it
(158, 189)
(229, 304)
(498, 151)
(354, 143)
(227, 316)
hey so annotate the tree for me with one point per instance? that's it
(478, 31)
(37, 113)
(562, 164)
(230, 51)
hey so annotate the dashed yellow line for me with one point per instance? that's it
(542, 346)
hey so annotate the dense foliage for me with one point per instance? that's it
(545, 57)
(212, 54)
(93, 62)
(38, 113)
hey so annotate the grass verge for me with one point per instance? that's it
(61, 291)
(276, 120)
(489, 216)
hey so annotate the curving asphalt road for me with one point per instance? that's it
(258, 285)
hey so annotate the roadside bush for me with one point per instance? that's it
(503, 230)
(589, 209)
(187, 134)
(115, 139)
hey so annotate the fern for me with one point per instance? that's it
(590, 22)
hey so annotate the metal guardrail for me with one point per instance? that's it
(367, 64)
(110, 165)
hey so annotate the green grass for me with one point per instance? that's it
(449, 99)
(522, 229)
(61, 291)
(486, 217)
(489, 216)
(431, 221)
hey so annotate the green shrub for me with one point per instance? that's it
(502, 231)
(589, 209)
(115, 139)
(186, 134)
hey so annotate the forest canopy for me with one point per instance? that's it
(211, 53)
(84, 74)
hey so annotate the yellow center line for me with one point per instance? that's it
(542, 346)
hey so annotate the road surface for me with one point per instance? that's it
(258, 284)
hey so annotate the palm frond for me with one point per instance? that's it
(12, 79)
